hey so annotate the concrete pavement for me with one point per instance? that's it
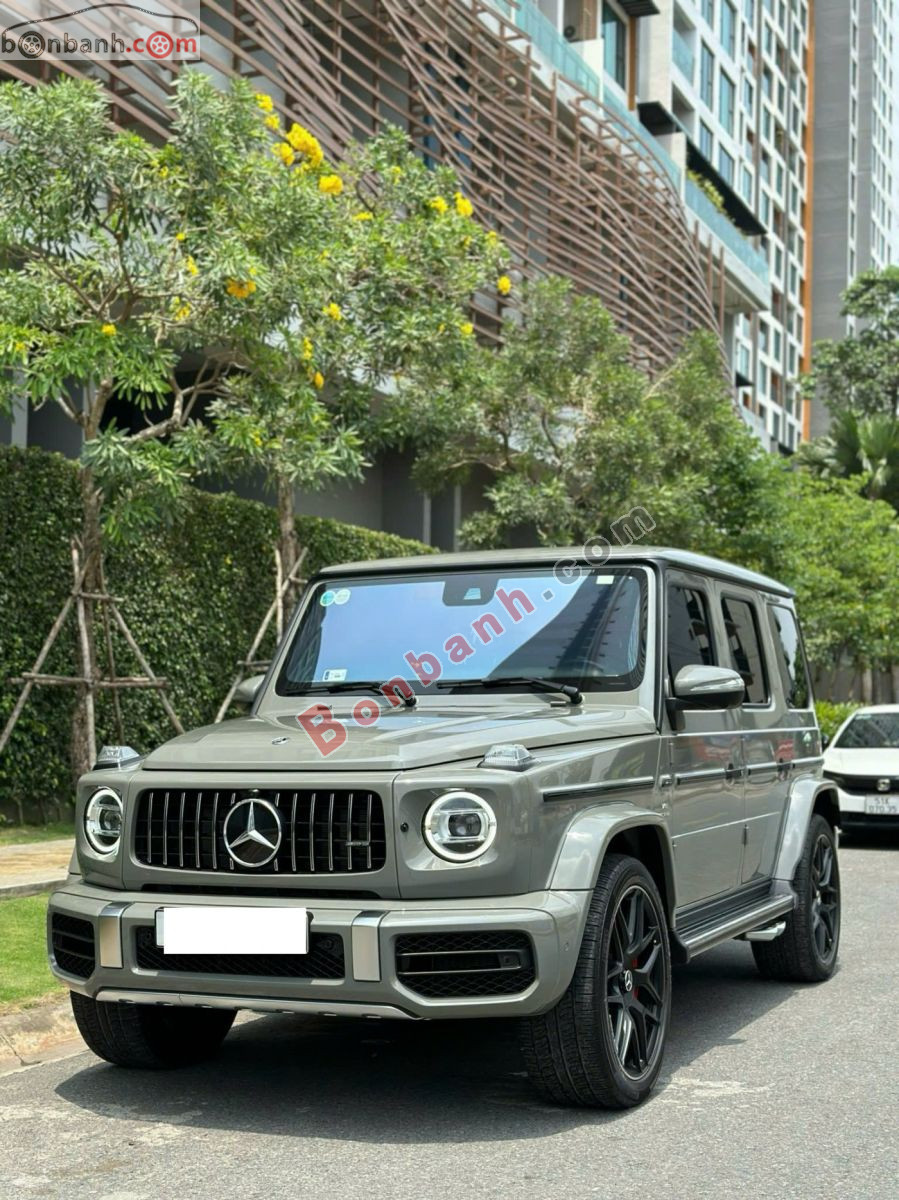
(34, 866)
(768, 1090)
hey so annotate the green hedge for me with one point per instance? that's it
(193, 595)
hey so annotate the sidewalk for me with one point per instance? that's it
(34, 866)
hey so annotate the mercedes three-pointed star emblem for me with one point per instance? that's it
(253, 832)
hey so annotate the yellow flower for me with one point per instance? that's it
(191, 265)
(182, 312)
(363, 216)
(464, 206)
(257, 438)
(20, 347)
(240, 290)
(163, 172)
(396, 172)
(332, 310)
(264, 101)
(108, 329)
(318, 380)
(331, 185)
(492, 237)
(272, 121)
(307, 349)
(284, 152)
(504, 285)
(180, 235)
(466, 328)
(438, 204)
(324, 256)
(305, 143)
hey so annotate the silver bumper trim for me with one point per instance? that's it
(317, 1008)
(109, 935)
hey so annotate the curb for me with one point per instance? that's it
(44, 1032)
(31, 888)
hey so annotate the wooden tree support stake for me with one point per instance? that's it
(87, 679)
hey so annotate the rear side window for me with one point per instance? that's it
(790, 656)
(689, 634)
(744, 644)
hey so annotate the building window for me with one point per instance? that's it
(726, 102)
(729, 28)
(708, 11)
(726, 166)
(614, 36)
(707, 77)
(706, 143)
(746, 185)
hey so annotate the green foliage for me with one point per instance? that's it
(706, 186)
(233, 267)
(24, 972)
(832, 715)
(576, 436)
(863, 447)
(193, 595)
(860, 373)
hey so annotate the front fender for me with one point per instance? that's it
(800, 807)
(587, 839)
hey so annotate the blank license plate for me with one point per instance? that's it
(226, 929)
(882, 806)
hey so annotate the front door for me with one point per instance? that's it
(704, 757)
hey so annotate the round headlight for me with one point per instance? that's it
(459, 826)
(103, 821)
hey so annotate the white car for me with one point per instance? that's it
(863, 761)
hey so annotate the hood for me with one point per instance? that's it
(862, 762)
(402, 739)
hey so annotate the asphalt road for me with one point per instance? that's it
(768, 1090)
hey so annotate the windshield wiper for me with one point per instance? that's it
(363, 685)
(568, 690)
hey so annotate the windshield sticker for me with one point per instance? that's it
(473, 593)
(341, 595)
(605, 579)
(327, 598)
(334, 675)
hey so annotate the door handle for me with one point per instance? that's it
(784, 767)
(732, 773)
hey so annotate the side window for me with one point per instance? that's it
(744, 644)
(689, 634)
(791, 656)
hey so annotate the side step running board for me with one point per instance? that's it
(744, 921)
(768, 934)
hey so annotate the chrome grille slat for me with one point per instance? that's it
(339, 826)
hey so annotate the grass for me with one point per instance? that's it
(15, 835)
(24, 974)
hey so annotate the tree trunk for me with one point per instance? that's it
(288, 542)
(867, 686)
(91, 556)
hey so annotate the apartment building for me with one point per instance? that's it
(856, 208)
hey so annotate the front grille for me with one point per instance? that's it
(864, 785)
(72, 940)
(324, 832)
(324, 960)
(456, 965)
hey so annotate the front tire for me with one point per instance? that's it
(806, 952)
(148, 1035)
(601, 1046)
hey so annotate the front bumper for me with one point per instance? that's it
(853, 809)
(552, 922)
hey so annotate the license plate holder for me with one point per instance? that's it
(882, 806)
(232, 929)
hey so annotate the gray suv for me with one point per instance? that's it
(507, 784)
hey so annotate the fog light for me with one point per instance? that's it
(460, 826)
(103, 821)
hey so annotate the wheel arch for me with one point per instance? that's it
(807, 797)
(618, 829)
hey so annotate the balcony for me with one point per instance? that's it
(746, 264)
(683, 56)
(561, 54)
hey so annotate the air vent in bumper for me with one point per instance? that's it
(455, 965)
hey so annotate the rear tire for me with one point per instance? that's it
(601, 1046)
(148, 1035)
(806, 952)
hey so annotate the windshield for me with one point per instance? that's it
(871, 731)
(472, 626)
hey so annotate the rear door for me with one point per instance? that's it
(704, 757)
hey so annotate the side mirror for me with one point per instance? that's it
(708, 687)
(247, 691)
